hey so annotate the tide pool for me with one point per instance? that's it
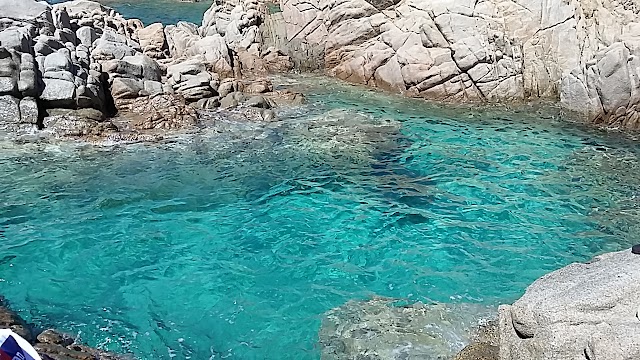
(232, 242)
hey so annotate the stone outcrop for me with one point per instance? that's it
(82, 55)
(582, 53)
(583, 311)
(238, 22)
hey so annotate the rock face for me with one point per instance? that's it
(584, 53)
(238, 22)
(583, 311)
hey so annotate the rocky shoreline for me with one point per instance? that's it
(582, 54)
(81, 55)
(67, 70)
(49, 343)
(79, 70)
(582, 311)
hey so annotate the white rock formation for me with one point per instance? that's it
(583, 311)
(583, 53)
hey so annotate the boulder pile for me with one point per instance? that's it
(83, 55)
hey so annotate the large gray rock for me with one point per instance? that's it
(107, 50)
(215, 52)
(180, 38)
(58, 61)
(153, 41)
(9, 110)
(8, 73)
(125, 88)
(583, 311)
(236, 21)
(22, 9)
(86, 35)
(60, 93)
(29, 113)
(150, 70)
(17, 38)
(138, 66)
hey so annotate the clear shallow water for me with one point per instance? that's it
(152, 11)
(232, 243)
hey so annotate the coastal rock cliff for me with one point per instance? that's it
(582, 53)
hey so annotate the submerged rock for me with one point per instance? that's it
(345, 134)
(380, 329)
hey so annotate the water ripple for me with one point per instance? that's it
(215, 246)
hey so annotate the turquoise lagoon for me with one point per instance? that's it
(233, 241)
(151, 11)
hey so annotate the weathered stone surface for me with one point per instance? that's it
(153, 41)
(86, 35)
(16, 39)
(23, 10)
(258, 102)
(9, 110)
(231, 100)
(59, 92)
(215, 52)
(106, 50)
(585, 53)
(138, 66)
(258, 86)
(180, 38)
(50, 336)
(478, 351)
(29, 112)
(159, 112)
(65, 123)
(122, 88)
(580, 311)
(11, 320)
(152, 88)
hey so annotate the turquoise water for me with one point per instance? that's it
(232, 242)
(152, 11)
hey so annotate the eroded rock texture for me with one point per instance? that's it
(580, 312)
(81, 55)
(584, 53)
